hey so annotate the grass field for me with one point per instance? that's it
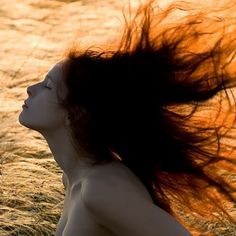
(32, 195)
(33, 35)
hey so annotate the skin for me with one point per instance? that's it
(103, 200)
(46, 116)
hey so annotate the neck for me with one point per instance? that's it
(69, 160)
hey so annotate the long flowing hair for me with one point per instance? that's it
(162, 101)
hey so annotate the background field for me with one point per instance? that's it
(33, 36)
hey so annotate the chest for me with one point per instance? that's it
(77, 220)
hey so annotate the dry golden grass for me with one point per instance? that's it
(32, 192)
(33, 35)
(32, 195)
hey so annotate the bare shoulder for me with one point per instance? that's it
(114, 198)
(113, 179)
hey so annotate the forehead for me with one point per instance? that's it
(55, 73)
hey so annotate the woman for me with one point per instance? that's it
(118, 124)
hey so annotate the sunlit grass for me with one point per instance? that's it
(31, 194)
(33, 34)
(32, 197)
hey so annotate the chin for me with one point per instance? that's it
(26, 122)
(21, 120)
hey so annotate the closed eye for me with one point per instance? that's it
(46, 85)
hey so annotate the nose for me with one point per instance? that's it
(29, 91)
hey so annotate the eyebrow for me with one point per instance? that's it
(48, 77)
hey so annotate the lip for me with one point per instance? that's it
(25, 105)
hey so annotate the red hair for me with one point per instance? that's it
(142, 101)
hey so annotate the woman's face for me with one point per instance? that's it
(43, 112)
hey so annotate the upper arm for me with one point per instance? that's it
(126, 213)
(64, 180)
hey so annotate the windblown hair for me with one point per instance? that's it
(162, 101)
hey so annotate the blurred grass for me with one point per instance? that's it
(32, 196)
(31, 191)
